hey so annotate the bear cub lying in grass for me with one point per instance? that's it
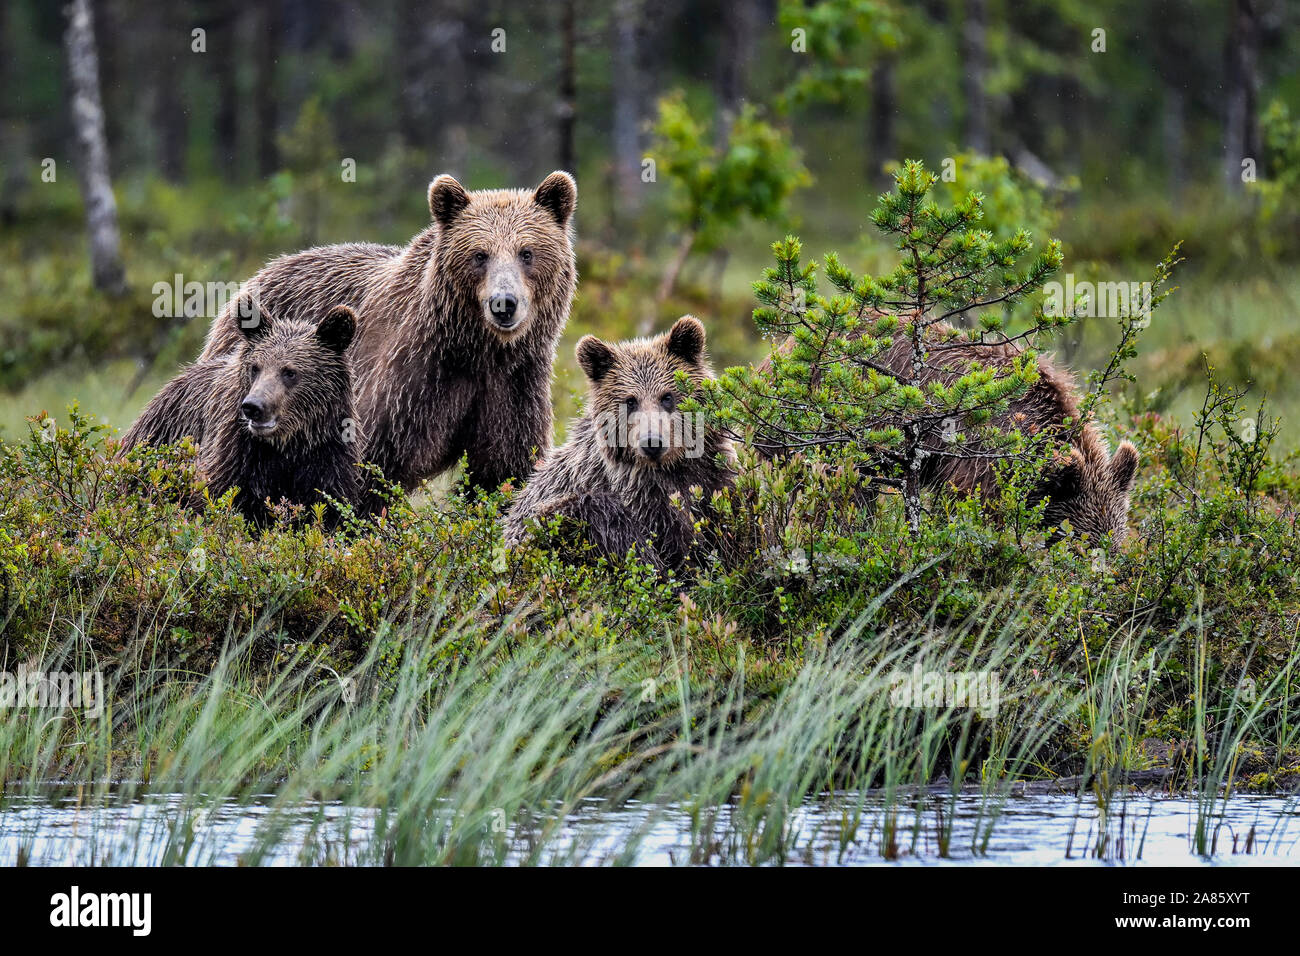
(636, 472)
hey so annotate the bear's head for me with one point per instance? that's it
(634, 395)
(294, 376)
(509, 252)
(1090, 489)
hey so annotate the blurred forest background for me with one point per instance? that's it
(210, 136)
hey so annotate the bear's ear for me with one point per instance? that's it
(558, 195)
(254, 322)
(1063, 479)
(447, 199)
(595, 357)
(337, 328)
(1123, 466)
(686, 340)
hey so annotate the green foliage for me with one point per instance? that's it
(311, 158)
(1279, 208)
(413, 665)
(517, 680)
(830, 389)
(389, 658)
(715, 186)
(1011, 200)
(54, 316)
(837, 37)
(1282, 137)
(1135, 319)
(54, 324)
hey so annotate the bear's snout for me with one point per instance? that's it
(655, 436)
(652, 448)
(503, 306)
(253, 410)
(258, 414)
(505, 297)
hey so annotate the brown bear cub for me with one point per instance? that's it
(636, 471)
(277, 420)
(1090, 488)
(456, 331)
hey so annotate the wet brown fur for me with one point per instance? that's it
(433, 378)
(623, 499)
(313, 450)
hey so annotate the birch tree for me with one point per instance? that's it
(92, 148)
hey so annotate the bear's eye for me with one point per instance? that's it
(526, 255)
(630, 403)
(289, 375)
(480, 257)
(668, 401)
(255, 370)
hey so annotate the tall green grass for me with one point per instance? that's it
(452, 742)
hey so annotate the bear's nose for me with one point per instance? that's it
(253, 410)
(652, 449)
(503, 306)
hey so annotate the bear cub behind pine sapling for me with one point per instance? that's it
(637, 472)
(1086, 485)
(279, 423)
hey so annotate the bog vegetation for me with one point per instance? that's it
(413, 664)
(465, 699)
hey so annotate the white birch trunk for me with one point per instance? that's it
(92, 147)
